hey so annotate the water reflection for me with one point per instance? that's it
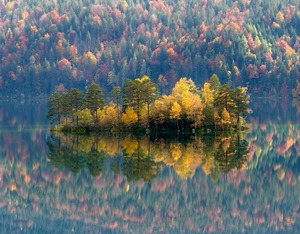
(185, 191)
(141, 158)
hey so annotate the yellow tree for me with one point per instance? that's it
(186, 94)
(161, 108)
(225, 119)
(108, 117)
(176, 113)
(182, 86)
(156, 112)
(130, 117)
(90, 59)
(279, 17)
(193, 108)
(208, 94)
(112, 113)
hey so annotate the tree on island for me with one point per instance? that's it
(94, 100)
(76, 103)
(139, 92)
(186, 109)
(133, 96)
(116, 96)
(55, 106)
(241, 99)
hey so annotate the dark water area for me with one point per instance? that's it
(102, 184)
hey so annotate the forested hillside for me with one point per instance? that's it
(58, 45)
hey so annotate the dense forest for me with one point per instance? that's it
(56, 45)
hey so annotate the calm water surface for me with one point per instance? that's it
(100, 184)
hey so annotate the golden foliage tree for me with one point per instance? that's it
(225, 119)
(176, 113)
(208, 94)
(130, 117)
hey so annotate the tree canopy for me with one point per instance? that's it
(73, 44)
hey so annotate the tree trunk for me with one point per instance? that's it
(148, 106)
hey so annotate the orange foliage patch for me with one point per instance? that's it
(172, 53)
(12, 186)
(27, 178)
(220, 28)
(25, 15)
(10, 6)
(58, 178)
(73, 50)
(276, 25)
(251, 42)
(34, 29)
(97, 20)
(283, 149)
(55, 16)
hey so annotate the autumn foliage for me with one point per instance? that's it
(186, 109)
(108, 42)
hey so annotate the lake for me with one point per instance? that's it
(246, 183)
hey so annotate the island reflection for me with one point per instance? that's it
(143, 157)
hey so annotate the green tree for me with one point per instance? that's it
(133, 95)
(215, 83)
(150, 94)
(224, 99)
(85, 117)
(242, 104)
(94, 100)
(76, 100)
(208, 116)
(55, 106)
(115, 96)
(139, 92)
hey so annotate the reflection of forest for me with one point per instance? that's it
(36, 196)
(142, 158)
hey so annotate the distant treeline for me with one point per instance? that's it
(52, 45)
(138, 106)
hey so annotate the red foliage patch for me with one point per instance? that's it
(64, 64)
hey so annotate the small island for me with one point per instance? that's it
(138, 107)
